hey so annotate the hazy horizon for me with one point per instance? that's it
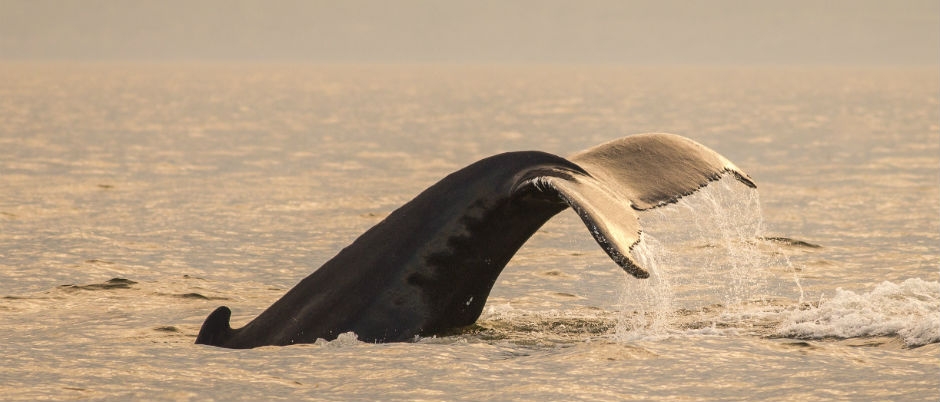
(867, 32)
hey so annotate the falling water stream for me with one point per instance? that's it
(705, 253)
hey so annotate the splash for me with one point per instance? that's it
(712, 271)
(705, 254)
(909, 310)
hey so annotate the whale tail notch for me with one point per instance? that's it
(216, 330)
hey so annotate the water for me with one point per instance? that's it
(204, 185)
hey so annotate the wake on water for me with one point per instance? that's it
(713, 271)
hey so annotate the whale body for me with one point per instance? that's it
(429, 266)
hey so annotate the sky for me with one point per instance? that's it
(789, 32)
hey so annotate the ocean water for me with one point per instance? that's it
(136, 198)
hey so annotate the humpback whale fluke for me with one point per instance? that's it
(430, 265)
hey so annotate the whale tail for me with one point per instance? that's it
(642, 171)
(429, 266)
(216, 329)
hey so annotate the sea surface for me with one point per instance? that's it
(137, 198)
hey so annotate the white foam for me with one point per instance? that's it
(343, 340)
(909, 310)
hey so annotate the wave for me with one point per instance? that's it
(909, 310)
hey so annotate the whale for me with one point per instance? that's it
(428, 267)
